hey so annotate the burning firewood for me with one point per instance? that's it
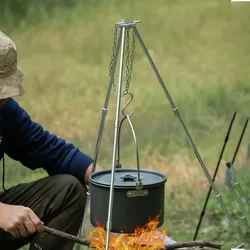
(149, 235)
(168, 247)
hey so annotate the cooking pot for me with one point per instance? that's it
(138, 194)
(133, 204)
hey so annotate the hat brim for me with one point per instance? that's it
(11, 86)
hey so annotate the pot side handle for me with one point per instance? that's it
(137, 193)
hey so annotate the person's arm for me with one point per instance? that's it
(35, 148)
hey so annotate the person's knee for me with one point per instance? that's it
(73, 189)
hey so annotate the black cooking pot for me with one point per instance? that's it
(132, 206)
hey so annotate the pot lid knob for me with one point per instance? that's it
(128, 177)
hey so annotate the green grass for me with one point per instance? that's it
(201, 49)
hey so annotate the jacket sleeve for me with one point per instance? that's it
(35, 148)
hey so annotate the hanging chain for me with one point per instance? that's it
(129, 59)
(111, 66)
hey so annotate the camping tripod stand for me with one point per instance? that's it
(125, 26)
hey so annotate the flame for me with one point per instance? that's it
(148, 237)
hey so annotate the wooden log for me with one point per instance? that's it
(76, 239)
(173, 246)
(192, 244)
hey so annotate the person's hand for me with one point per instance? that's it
(89, 171)
(19, 221)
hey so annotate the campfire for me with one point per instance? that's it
(149, 237)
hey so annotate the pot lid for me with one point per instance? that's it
(127, 178)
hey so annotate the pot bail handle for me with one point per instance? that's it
(118, 164)
(139, 184)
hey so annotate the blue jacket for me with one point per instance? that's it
(26, 141)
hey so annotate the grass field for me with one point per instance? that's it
(201, 49)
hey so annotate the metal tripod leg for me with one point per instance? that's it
(236, 183)
(243, 217)
(240, 246)
(119, 93)
(231, 165)
(177, 114)
(237, 199)
(98, 144)
(82, 227)
(231, 188)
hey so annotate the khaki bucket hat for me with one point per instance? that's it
(11, 76)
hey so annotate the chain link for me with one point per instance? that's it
(129, 58)
(127, 61)
(112, 61)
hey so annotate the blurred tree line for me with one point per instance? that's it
(12, 12)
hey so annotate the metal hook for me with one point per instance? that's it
(127, 104)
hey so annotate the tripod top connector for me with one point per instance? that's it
(126, 23)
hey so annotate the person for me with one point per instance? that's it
(57, 200)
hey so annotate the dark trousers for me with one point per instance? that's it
(59, 202)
